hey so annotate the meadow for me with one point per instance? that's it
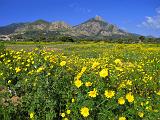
(80, 81)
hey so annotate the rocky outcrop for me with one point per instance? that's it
(59, 25)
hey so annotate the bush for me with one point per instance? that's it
(2, 47)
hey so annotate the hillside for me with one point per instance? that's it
(94, 28)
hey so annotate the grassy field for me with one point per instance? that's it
(80, 81)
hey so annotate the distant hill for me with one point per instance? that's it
(94, 28)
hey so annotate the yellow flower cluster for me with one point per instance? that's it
(114, 82)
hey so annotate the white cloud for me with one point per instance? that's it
(152, 22)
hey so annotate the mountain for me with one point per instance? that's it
(36, 25)
(94, 28)
(9, 29)
(98, 27)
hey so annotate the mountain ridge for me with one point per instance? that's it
(94, 28)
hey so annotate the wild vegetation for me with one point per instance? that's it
(70, 81)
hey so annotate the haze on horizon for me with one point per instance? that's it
(135, 16)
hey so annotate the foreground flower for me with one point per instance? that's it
(95, 64)
(79, 75)
(104, 73)
(73, 100)
(109, 93)
(9, 81)
(88, 84)
(31, 115)
(122, 118)
(118, 61)
(93, 93)
(40, 69)
(17, 69)
(63, 114)
(129, 82)
(78, 83)
(84, 111)
(121, 101)
(63, 63)
(129, 97)
(140, 114)
(83, 69)
(68, 112)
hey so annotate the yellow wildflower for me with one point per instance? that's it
(9, 81)
(121, 100)
(17, 69)
(40, 69)
(122, 118)
(95, 64)
(79, 75)
(147, 102)
(93, 93)
(88, 84)
(140, 114)
(63, 114)
(78, 83)
(48, 74)
(63, 63)
(103, 73)
(129, 82)
(118, 61)
(83, 69)
(73, 100)
(142, 103)
(32, 62)
(31, 115)
(129, 97)
(84, 111)
(68, 112)
(122, 85)
(109, 93)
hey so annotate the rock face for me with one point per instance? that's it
(93, 28)
(59, 25)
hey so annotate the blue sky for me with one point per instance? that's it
(136, 16)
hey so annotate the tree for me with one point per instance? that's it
(66, 39)
(141, 38)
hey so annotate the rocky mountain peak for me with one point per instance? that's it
(98, 27)
(98, 18)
